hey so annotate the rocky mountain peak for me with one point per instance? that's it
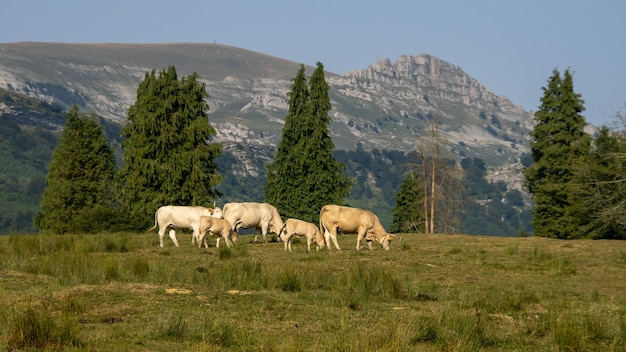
(432, 76)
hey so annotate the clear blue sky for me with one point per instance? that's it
(509, 46)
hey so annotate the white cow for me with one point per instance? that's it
(174, 217)
(260, 216)
(218, 227)
(303, 229)
(364, 223)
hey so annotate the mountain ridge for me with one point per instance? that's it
(387, 105)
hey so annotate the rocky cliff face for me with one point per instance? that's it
(425, 75)
(388, 105)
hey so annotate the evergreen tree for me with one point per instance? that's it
(80, 178)
(168, 157)
(559, 148)
(604, 180)
(285, 172)
(408, 214)
(311, 177)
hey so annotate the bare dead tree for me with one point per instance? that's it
(441, 183)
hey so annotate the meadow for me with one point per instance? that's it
(122, 292)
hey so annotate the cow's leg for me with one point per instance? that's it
(369, 244)
(264, 232)
(229, 243)
(327, 239)
(202, 239)
(217, 241)
(308, 243)
(359, 238)
(196, 235)
(326, 236)
(287, 241)
(161, 234)
(333, 236)
(229, 239)
(173, 236)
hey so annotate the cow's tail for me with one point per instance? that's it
(322, 228)
(155, 222)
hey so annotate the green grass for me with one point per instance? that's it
(428, 293)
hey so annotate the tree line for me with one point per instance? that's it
(169, 157)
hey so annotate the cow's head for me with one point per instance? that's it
(320, 241)
(216, 212)
(386, 241)
(234, 237)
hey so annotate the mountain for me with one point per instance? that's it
(385, 106)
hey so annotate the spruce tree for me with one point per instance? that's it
(284, 173)
(168, 156)
(311, 177)
(408, 214)
(559, 148)
(79, 180)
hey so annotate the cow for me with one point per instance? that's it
(303, 229)
(364, 223)
(260, 216)
(218, 227)
(173, 217)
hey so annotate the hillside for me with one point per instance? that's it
(386, 105)
(28, 142)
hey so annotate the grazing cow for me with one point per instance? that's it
(187, 217)
(218, 227)
(303, 229)
(364, 223)
(260, 216)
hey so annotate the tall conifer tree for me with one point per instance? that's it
(408, 214)
(559, 148)
(314, 174)
(168, 155)
(80, 178)
(281, 189)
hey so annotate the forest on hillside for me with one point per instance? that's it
(27, 142)
(377, 175)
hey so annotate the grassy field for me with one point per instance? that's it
(121, 292)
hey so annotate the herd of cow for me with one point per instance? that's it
(264, 218)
